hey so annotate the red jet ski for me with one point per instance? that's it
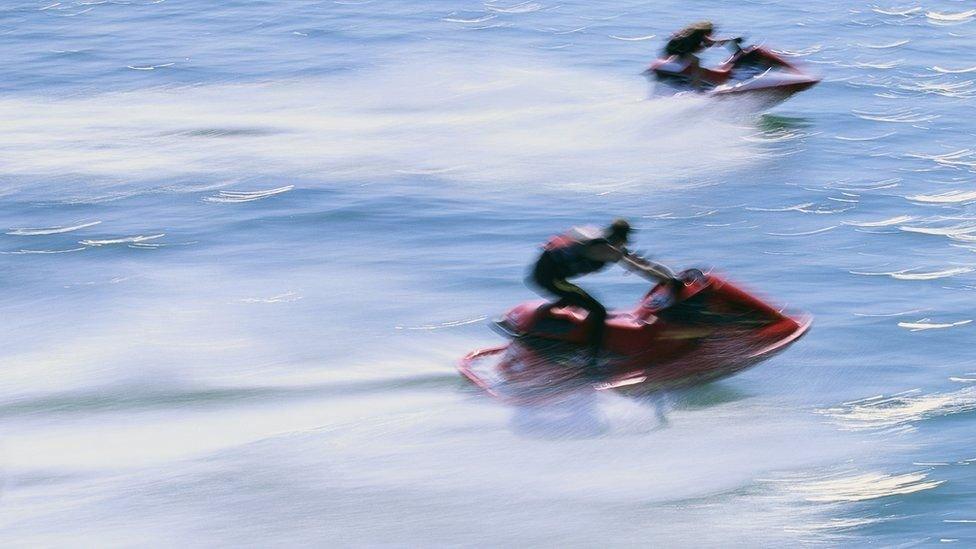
(703, 330)
(755, 71)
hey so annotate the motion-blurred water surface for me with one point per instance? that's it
(243, 244)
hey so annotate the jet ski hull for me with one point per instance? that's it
(756, 73)
(711, 330)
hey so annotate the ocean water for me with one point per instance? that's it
(244, 243)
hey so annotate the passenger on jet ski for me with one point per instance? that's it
(583, 250)
(684, 44)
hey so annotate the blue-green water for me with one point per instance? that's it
(244, 244)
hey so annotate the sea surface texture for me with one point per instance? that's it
(244, 243)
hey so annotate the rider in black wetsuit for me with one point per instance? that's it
(581, 251)
(691, 40)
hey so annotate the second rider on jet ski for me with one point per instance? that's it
(584, 250)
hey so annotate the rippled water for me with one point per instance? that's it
(243, 244)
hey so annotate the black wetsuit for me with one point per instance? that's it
(562, 258)
(686, 41)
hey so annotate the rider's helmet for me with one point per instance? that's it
(704, 26)
(618, 231)
(690, 39)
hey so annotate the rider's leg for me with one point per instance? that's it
(696, 72)
(596, 317)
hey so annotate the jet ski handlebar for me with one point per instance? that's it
(734, 43)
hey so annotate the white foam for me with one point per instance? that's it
(925, 324)
(42, 252)
(632, 38)
(899, 117)
(951, 197)
(851, 487)
(902, 408)
(801, 53)
(902, 313)
(149, 67)
(247, 196)
(524, 7)
(871, 138)
(885, 46)
(51, 230)
(960, 16)
(941, 231)
(806, 233)
(475, 20)
(496, 121)
(123, 240)
(794, 208)
(442, 325)
(895, 11)
(954, 71)
(879, 64)
(287, 297)
(882, 223)
(906, 274)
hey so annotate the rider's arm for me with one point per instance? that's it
(709, 41)
(652, 269)
(630, 261)
(603, 251)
